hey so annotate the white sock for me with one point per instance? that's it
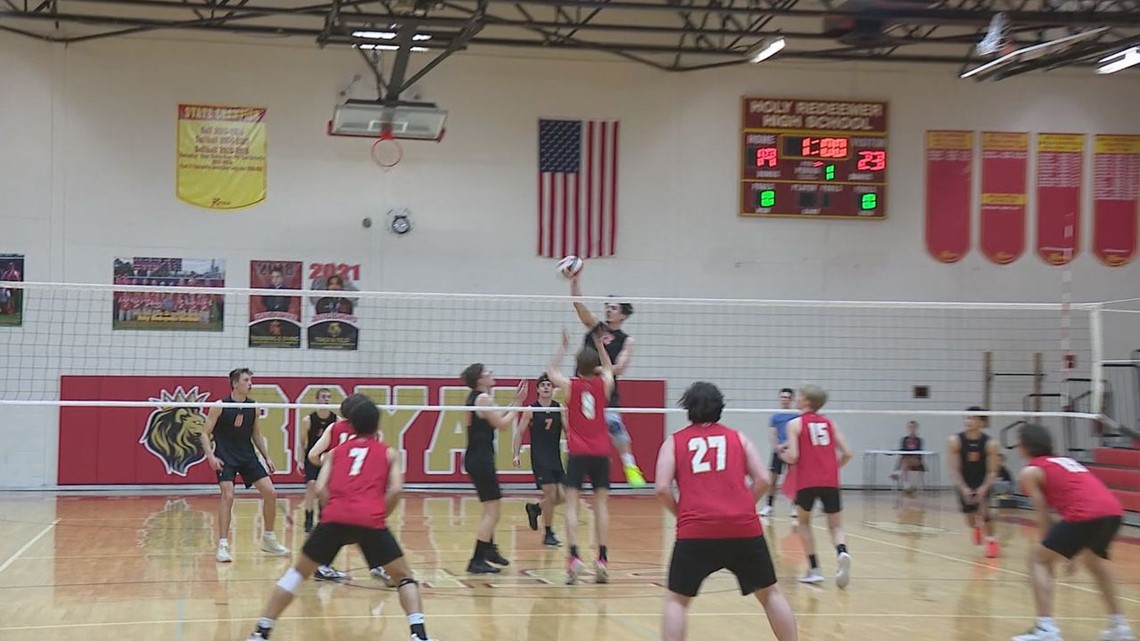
(222, 542)
(265, 624)
(1046, 623)
(415, 617)
(990, 539)
(628, 459)
(270, 535)
(1117, 621)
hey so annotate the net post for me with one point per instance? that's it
(987, 379)
(1096, 345)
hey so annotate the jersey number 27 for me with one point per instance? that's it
(700, 447)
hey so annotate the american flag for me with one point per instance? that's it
(577, 188)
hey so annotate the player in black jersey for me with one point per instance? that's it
(228, 440)
(974, 463)
(313, 426)
(619, 346)
(544, 421)
(479, 461)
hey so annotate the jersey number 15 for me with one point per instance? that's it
(700, 447)
(819, 434)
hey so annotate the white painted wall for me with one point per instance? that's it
(87, 168)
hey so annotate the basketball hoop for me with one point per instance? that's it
(387, 151)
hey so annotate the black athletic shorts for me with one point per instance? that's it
(829, 496)
(251, 472)
(484, 477)
(970, 508)
(547, 472)
(1069, 538)
(776, 467)
(581, 467)
(378, 546)
(694, 560)
(311, 471)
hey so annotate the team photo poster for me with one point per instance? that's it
(11, 298)
(275, 319)
(175, 311)
(333, 323)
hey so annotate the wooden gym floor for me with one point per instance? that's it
(126, 568)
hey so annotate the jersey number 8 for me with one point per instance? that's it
(700, 447)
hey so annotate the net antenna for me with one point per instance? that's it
(388, 124)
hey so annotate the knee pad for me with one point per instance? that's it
(407, 581)
(291, 581)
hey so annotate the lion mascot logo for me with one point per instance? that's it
(173, 433)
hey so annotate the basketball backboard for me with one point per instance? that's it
(406, 121)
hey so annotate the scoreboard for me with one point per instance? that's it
(813, 158)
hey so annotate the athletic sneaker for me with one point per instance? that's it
(551, 541)
(992, 549)
(479, 566)
(493, 556)
(223, 555)
(533, 510)
(766, 510)
(843, 573)
(382, 575)
(1037, 633)
(1117, 633)
(574, 567)
(634, 476)
(329, 573)
(601, 572)
(812, 576)
(269, 544)
(977, 535)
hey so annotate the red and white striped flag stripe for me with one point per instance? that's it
(577, 188)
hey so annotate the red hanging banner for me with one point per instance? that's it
(1005, 169)
(1116, 198)
(1060, 176)
(949, 181)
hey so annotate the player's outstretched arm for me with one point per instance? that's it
(322, 486)
(207, 433)
(584, 315)
(791, 452)
(516, 439)
(666, 472)
(395, 489)
(760, 480)
(607, 372)
(624, 357)
(553, 368)
(498, 419)
(260, 443)
(1032, 478)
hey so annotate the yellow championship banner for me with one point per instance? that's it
(221, 156)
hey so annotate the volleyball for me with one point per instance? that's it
(570, 266)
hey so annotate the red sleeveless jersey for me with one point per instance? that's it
(817, 465)
(358, 483)
(340, 432)
(586, 432)
(714, 501)
(1074, 492)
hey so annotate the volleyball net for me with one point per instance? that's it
(131, 369)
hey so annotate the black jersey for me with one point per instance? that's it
(233, 433)
(974, 459)
(317, 426)
(613, 340)
(480, 433)
(545, 434)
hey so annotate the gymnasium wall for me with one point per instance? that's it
(87, 166)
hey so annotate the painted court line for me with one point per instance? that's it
(42, 534)
(980, 564)
(515, 615)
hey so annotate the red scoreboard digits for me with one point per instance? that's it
(814, 158)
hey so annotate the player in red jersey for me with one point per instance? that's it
(811, 447)
(360, 485)
(589, 444)
(333, 437)
(717, 524)
(1090, 517)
